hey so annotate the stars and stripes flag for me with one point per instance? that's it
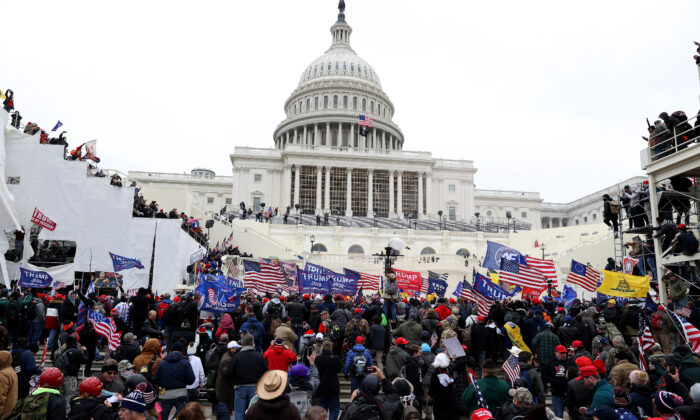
(483, 303)
(367, 281)
(480, 400)
(520, 275)
(583, 276)
(105, 327)
(229, 241)
(465, 290)
(263, 277)
(692, 335)
(81, 305)
(232, 268)
(544, 267)
(645, 340)
(424, 285)
(512, 368)
(365, 121)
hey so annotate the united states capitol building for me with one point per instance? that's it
(320, 163)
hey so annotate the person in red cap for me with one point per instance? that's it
(554, 374)
(482, 414)
(603, 392)
(580, 350)
(356, 363)
(661, 327)
(396, 358)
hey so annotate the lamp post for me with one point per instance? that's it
(296, 207)
(312, 238)
(477, 214)
(375, 216)
(391, 251)
(440, 219)
(542, 246)
(508, 216)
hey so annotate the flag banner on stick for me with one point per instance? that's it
(105, 327)
(91, 151)
(464, 290)
(408, 281)
(123, 263)
(58, 125)
(645, 341)
(310, 282)
(216, 297)
(367, 281)
(480, 400)
(624, 285)
(365, 121)
(692, 335)
(521, 275)
(529, 292)
(628, 264)
(34, 279)
(488, 289)
(290, 274)
(42, 220)
(512, 368)
(263, 277)
(313, 268)
(544, 267)
(484, 304)
(584, 276)
(343, 285)
(495, 253)
(437, 286)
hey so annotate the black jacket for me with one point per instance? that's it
(75, 359)
(91, 408)
(127, 352)
(246, 367)
(376, 337)
(329, 366)
(297, 313)
(554, 374)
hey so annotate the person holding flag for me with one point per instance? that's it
(488, 392)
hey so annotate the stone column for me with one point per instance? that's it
(428, 194)
(327, 205)
(351, 140)
(370, 192)
(319, 174)
(304, 139)
(399, 195)
(348, 194)
(340, 134)
(287, 142)
(297, 173)
(286, 187)
(296, 139)
(328, 134)
(391, 194)
(374, 137)
(316, 141)
(420, 195)
(383, 145)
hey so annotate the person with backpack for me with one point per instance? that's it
(89, 404)
(285, 332)
(303, 383)
(162, 307)
(409, 408)
(328, 393)
(356, 363)
(255, 328)
(396, 358)
(45, 402)
(224, 384)
(365, 403)
(529, 372)
(274, 308)
(611, 213)
(8, 384)
(391, 295)
(661, 327)
(147, 362)
(413, 374)
(24, 364)
(68, 360)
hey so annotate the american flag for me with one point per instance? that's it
(544, 267)
(105, 327)
(263, 277)
(366, 121)
(512, 368)
(583, 276)
(645, 340)
(433, 339)
(483, 304)
(367, 281)
(480, 400)
(519, 274)
(232, 267)
(81, 305)
(424, 285)
(465, 290)
(692, 335)
(229, 241)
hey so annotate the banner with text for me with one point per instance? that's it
(408, 281)
(34, 279)
(313, 282)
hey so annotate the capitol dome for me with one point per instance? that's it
(334, 92)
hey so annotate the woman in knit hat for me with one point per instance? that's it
(640, 392)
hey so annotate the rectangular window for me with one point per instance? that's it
(228, 201)
(258, 178)
(210, 200)
(364, 105)
(451, 188)
(452, 213)
(325, 102)
(523, 214)
(316, 103)
(354, 102)
(335, 101)
(12, 180)
(345, 102)
(256, 203)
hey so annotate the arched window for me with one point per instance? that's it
(427, 251)
(463, 252)
(371, 107)
(319, 248)
(356, 249)
(364, 105)
(308, 105)
(336, 66)
(335, 101)
(325, 102)
(315, 69)
(329, 66)
(300, 108)
(316, 103)
(345, 66)
(295, 108)
(345, 102)
(352, 67)
(379, 109)
(354, 102)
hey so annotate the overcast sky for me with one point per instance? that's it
(547, 96)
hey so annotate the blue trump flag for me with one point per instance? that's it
(216, 297)
(123, 263)
(313, 282)
(492, 291)
(343, 285)
(313, 268)
(34, 279)
(228, 282)
(437, 283)
(567, 296)
(496, 252)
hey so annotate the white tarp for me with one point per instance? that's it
(173, 248)
(9, 221)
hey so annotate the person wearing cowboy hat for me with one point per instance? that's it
(272, 401)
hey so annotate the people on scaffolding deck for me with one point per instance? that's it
(611, 213)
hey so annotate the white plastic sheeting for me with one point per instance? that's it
(89, 211)
(8, 216)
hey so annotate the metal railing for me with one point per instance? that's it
(671, 141)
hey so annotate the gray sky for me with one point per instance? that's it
(546, 96)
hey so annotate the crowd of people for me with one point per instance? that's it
(283, 356)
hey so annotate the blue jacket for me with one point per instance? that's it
(358, 348)
(256, 328)
(27, 363)
(174, 372)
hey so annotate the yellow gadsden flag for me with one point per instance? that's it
(624, 285)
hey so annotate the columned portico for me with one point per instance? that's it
(297, 177)
(420, 195)
(319, 174)
(327, 204)
(392, 213)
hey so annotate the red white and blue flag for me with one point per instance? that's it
(584, 276)
(521, 275)
(105, 327)
(365, 121)
(512, 368)
(692, 335)
(263, 277)
(367, 281)
(544, 267)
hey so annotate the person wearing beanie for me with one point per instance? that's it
(665, 404)
(692, 410)
(357, 362)
(172, 376)
(623, 404)
(375, 341)
(641, 392)
(133, 407)
(109, 377)
(306, 379)
(554, 374)
(279, 356)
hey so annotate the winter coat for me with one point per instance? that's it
(493, 389)
(225, 326)
(534, 381)
(329, 366)
(224, 384)
(641, 396)
(8, 384)
(620, 374)
(150, 348)
(246, 367)
(376, 337)
(554, 373)
(395, 360)
(278, 408)
(256, 328)
(56, 409)
(90, 408)
(427, 366)
(175, 372)
(603, 394)
(356, 350)
(511, 411)
(279, 358)
(444, 399)
(288, 336)
(411, 331)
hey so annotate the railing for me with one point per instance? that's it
(357, 150)
(136, 176)
(671, 141)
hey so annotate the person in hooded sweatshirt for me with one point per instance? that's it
(225, 327)
(173, 375)
(8, 384)
(354, 368)
(272, 402)
(366, 398)
(254, 327)
(279, 356)
(304, 378)
(150, 353)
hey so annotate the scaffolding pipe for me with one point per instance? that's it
(658, 252)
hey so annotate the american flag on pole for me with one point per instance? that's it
(424, 285)
(232, 267)
(365, 121)
(544, 267)
(484, 304)
(521, 275)
(692, 335)
(105, 327)
(583, 276)
(263, 277)
(81, 305)
(367, 281)
(480, 400)
(645, 340)
(465, 290)
(512, 368)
